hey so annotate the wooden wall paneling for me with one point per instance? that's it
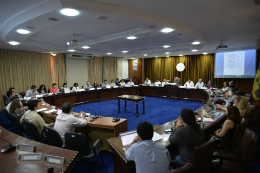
(137, 73)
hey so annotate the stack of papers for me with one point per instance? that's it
(207, 119)
(42, 109)
(157, 137)
(50, 111)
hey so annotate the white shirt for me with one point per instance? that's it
(191, 84)
(74, 88)
(199, 85)
(225, 89)
(130, 83)
(67, 123)
(164, 83)
(157, 83)
(112, 84)
(8, 106)
(149, 82)
(122, 83)
(65, 89)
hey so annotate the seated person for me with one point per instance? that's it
(17, 108)
(122, 83)
(187, 134)
(11, 100)
(54, 88)
(33, 117)
(104, 85)
(130, 83)
(232, 96)
(9, 94)
(65, 87)
(147, 81)
(134, 80)
(231, 83)
(112, 84)
(87, 86)
(149, 156)
(189, 83)
(66, 121)
(164, 82)
(157, 82)
(243, 105)
(176, 80)
(42, 89)
(75, 87)
(230, 90)
(199, 84)
(117, 80)
(95, 85)
(211, 84)
(229, 126)
(225, 88)
(16, 93)
(31, 91)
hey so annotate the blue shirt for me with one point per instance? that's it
(149, 156)
(87, 86)
(199, 85)
(30, 92)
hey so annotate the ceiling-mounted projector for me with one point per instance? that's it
(221, 46)
(73, 41)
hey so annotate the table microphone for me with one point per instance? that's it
(9, 147)
(115, 119)
(95, 116)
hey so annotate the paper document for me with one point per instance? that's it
(207, 119)
(157, 137)
(166, 135)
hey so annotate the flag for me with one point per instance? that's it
(255, 90)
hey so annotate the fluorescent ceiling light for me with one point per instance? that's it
(71, 50)
(69, 12)
(23, 31)
(13, 43)
(167, 56)
(167, 52)
(131, 37)
(145, 54)
(85, 47)
(195, 42)
(53, 54)
(166, 46)
(180, 55)
(109, 53)
(205, 53)
(194, 50)
(167, 30)
(156, 56)
(124, 51)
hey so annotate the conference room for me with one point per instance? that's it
(120, 86)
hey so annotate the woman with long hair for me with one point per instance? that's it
(42, 89)
(187, 134)
(65, 87)
(75, 86)
(95, 85)
(17, 108)
(242, 104)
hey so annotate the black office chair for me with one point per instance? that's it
(21, 129)
(79, 142)
(33, 131)
(8, 115)
(53, 137)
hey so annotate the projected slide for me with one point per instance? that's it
(234, 63)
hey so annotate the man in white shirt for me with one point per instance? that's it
(66, 122)
(149, 156)
(189, 83)
(199, 84)
(164, 82)
(157, 82)
(147, 81)
(87, 86)
(130, 83)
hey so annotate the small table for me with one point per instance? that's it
(131, 98)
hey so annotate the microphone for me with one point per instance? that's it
(95, 116)
(115, 119)
(9, 147)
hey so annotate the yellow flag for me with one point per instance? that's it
(255, 89)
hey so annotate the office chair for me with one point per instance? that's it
(53, 137)
(21, 129)
(33, 131)
(8, 115)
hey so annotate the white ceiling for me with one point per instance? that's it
(236, 22)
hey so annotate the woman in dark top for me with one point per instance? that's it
(211, 84)
(229, 126)
(95, 85)
(42, 89)
(187, 134)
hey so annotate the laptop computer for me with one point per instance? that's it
(127, 138)
(213, 113)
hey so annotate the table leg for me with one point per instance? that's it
(119, 106)
(143, 107)
(137, 114)
(125, 106)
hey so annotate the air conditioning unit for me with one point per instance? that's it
(79, 56)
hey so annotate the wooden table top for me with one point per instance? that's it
(102, 122)
(9, 163)
(130, 97)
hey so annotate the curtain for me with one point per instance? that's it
(95, 70)
(196, 67)
(24, 69)
(110, 69)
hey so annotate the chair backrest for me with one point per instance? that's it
(82, 87)
(22, 94)
(71, 88)
(203, 156)
(32, 130)
(247, 146)
(17, 123)
(7, 114)
(53, 137)
(239, 132)
(4, 98)
(184, 169)
(77, 142)
(251, 116)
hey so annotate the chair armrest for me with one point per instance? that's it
(174, 163)
(224, 140)
(220, 156)
(95, 144)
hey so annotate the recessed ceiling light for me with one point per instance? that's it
(132, 58)
(145, 54)
(180, 55)
(109, 53)
(156, 56)
(167, 56)
(23, 31)
(71, 50)
(69, 12)
(166, 46)
(85, 47)
(53, 54)
(167, 52)
(194, 50)
(205, 53)
(131, 37)
(124, 51)
(167, 30)
(195, 42)
(13, 43)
